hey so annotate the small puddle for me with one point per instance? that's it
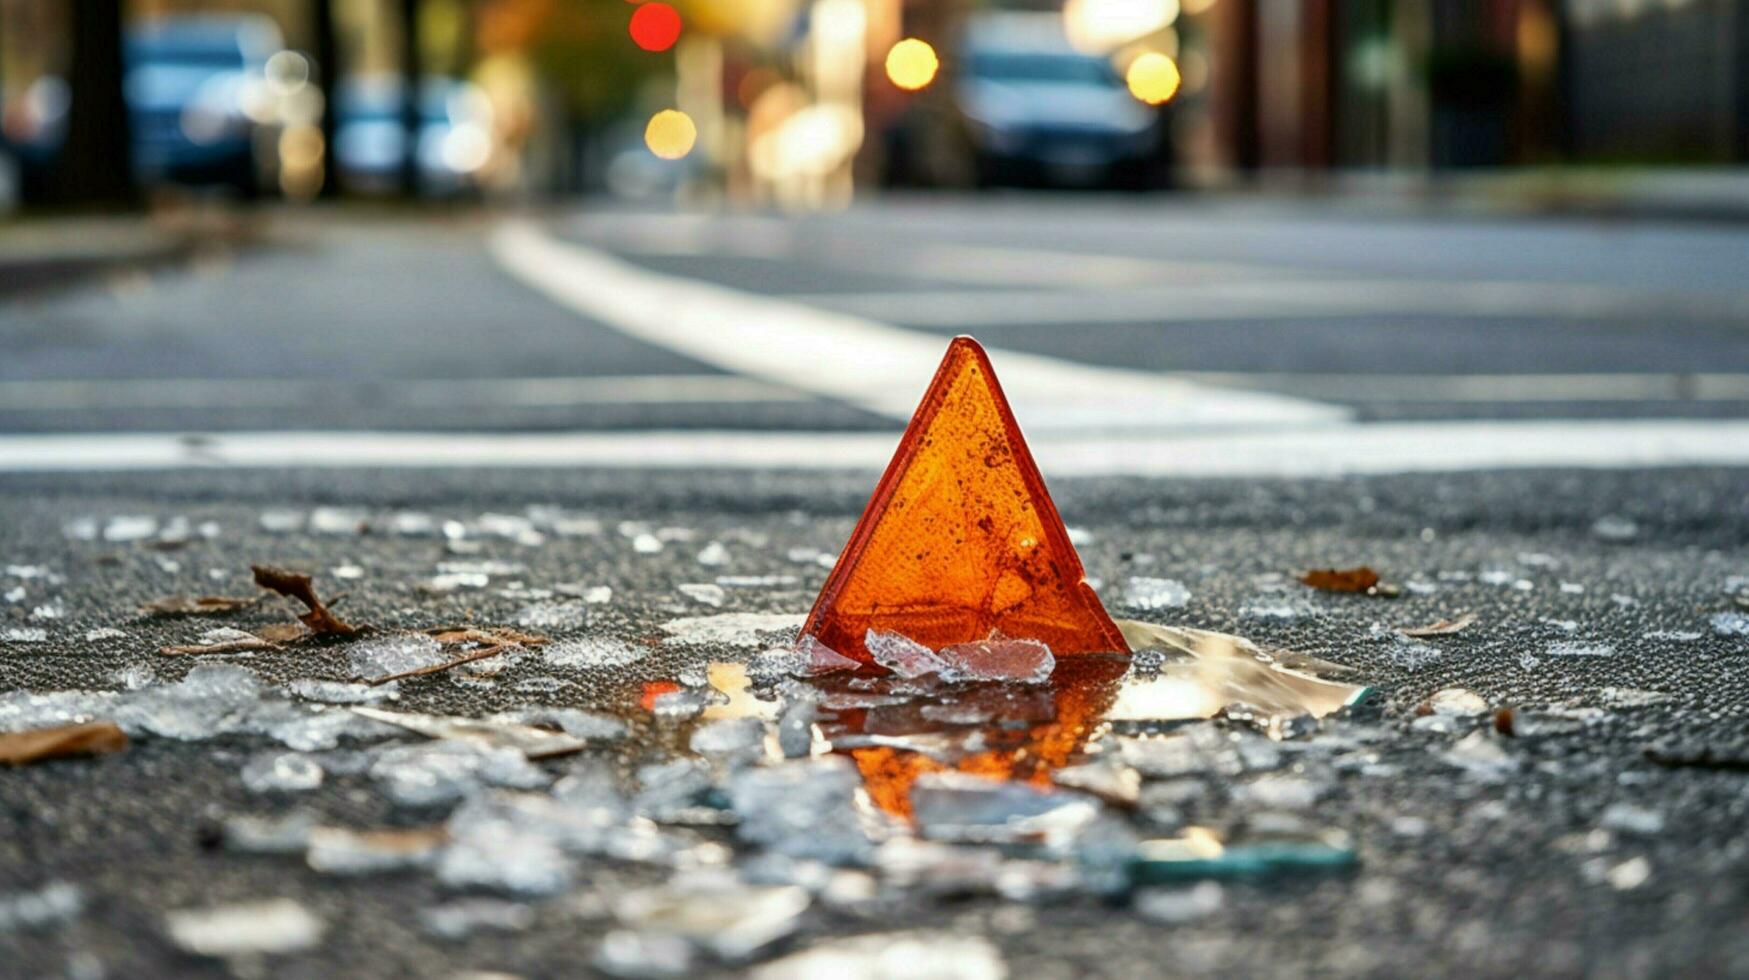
(898, 729)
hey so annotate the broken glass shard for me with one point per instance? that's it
(288, 834)
(729, 739)
(1731, 624)
(1107, 778)
(955, 806)
(1153, 594)
(901, 654)
(532, 743)
(704, 593)
(1200, 853)
(553, 615)
(41, 908)
(729, 920)
(1627, 818)
(593, 651)
(338, 850)
(576, 722)
(275, 926)
(890, 956)
(1176, 906)
(625, 953)
(463, 917)
(805, 809)
(340, 692)
(492, 851)
(1482, 757)
(822, 659)
(442, 772)
(396, 654)
(998, 658)
(282, 772)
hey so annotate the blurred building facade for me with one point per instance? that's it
(789, 102)
(1440, 84)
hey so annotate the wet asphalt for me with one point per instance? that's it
(1456, 875)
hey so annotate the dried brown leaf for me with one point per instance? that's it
(1359, 579)
(239, 645)
(283, 632)
(502, 635)
(90, 738)
(205, 605)
(296, 585)
(1442, 627)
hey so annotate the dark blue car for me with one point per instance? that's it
(199, 102)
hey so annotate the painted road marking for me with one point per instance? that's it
(864, 362)
(1336, 450)
(1189, 302)
(230, 393)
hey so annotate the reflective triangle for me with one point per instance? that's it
(961, 538)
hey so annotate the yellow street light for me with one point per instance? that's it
(912, 64)
(1153, 78)
(670, 134)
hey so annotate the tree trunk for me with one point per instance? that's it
(327, 55)
(95, 168)
(411, 72)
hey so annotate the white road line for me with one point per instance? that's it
(1189, 302)
(1596, 387)
(863, 362)
(227, 393)
(1336, 450)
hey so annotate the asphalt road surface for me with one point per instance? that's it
(760, 367)
(425, 325)
(1584, 854)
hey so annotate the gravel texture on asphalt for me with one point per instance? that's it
(1590, 589)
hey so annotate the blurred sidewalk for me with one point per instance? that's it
(49, 252)
(1664, 194)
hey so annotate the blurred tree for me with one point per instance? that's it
(96, 163)
(412, 74)
(590, 70)
(326, 50)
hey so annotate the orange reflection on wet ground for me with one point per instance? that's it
(655, 689)
(1028, 736)
(1079, 693)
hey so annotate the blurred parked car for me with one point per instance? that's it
(205, 96)
(1040, 111)
(456, 141)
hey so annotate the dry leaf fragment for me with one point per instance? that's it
(1442, 627)
(1341, 580)
(240, 644)
(296, 585)
(283, 632)
(500, 635)
(238, 641)
(1357, 579)
(206, 605)
(90, 738)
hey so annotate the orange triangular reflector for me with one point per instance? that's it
(961, 537)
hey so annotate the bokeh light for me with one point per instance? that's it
(1153, 78)
(670, 134)
(1099, 26)
(655, 26)
(912, 64)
